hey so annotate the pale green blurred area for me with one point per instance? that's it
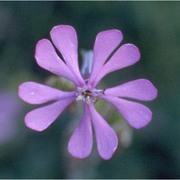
(151, 152)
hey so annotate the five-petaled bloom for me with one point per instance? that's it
(106, 59)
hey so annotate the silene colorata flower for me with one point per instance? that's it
(107, 57)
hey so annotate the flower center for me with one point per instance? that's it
(88, 96)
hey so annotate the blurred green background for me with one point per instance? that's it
(151, 152)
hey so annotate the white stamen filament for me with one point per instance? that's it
(88, 100)
(80, 98)
(88, 96)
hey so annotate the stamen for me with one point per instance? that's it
(88, 96)
(88, 100)
(80, 98)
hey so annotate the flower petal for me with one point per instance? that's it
(105, 44)
(35, 93)
(80, 144)
(64, 38)
(106, 138)
(141, 89)
(136, 114)
(126, 55)
(40, 118)
(48, 59)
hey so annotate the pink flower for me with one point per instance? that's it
(64, 39)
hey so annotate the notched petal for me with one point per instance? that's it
(126, 55)
(106, 138)
(39, 119)
(105, 44)
(35, 93)
(140, 89)
(65, 40)
(136, 114)
(80, 144)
